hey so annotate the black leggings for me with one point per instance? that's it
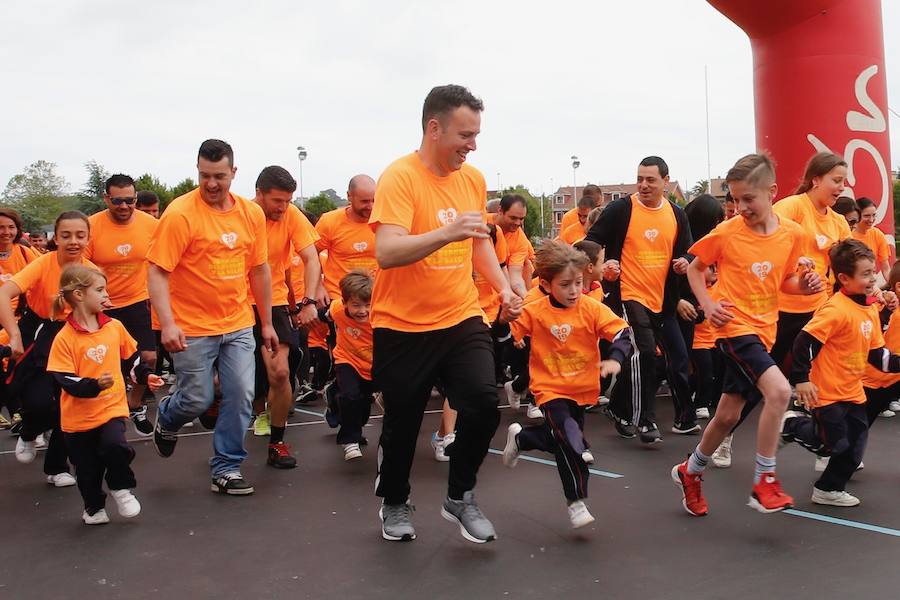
(354, 401)
(98, 454)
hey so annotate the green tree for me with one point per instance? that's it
(90, 199)
(38, 193)
(675, 199)
(532, 225)
(150, 183)
(702, 187)
(183, 187)
(319, 204)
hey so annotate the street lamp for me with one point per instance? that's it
(575, 164)
(301, 154)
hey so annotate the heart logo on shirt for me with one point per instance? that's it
(561, 332)
(124, 249)
(354, 332)
(821, 241)
(761, 269)
(866, 328)
(229, 239)
(295, 261)
(651, 234)
(97, 353)
(360, 246)
(446, 216)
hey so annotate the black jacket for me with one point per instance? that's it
(609, 231)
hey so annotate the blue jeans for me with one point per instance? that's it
(193, 393)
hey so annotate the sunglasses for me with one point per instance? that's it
(129, 200)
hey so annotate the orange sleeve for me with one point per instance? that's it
(303, 234)
(127, 344)
(709, 248)
(323, 230)
(501, 249)
(521, 327)
(607, 323)
(518, 251)
(394, 200)
(882, 252)
(171, 239)
(336, 306)
(30, 275)
(824, 321)
(259, 253)
(61, 355)
(877, 339)
(787, 209)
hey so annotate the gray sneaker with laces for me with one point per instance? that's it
(473, 525)
(396, 522)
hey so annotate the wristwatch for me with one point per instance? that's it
(305, 300)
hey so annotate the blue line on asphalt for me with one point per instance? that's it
(542, 461)
(843, 522)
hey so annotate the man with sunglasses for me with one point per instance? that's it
(120, 236)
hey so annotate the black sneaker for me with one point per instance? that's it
(624, 428)
(164, 441)
(686, 428)
(231, 484)
(307, 394)
(141, 423)
(280, 456)
(650, 434)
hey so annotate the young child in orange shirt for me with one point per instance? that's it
(349, 397)
(565, 367)
(829, 360)
(86, 361)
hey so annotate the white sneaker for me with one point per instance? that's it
(61, 480)
(860, 467)
(602, 400)
(702, 413)
(127, 504)
(437, 444)
(352, 451)
(534, 412)
(821, 463)
(887, 414)
(511, 450)
(722, 456)
(579, 515)
(40, 441)
(587, 457)
(833, 498)
(98, 518)
(515, 398)
(894, 406)
(25, 451)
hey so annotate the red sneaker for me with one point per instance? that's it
(768, 497)
(280, 456)
(691, 492)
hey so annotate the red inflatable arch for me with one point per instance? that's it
(819, 84)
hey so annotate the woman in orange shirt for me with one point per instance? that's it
(565, 368)
(14, 256)
(866, 232)
(86, 361)
(30, 340)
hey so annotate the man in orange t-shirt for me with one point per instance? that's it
(288, 234)
(346, 235)
(650, 237)
(430, 234)
(591, 197)
(511, 219)
(120, 236)
(207, 255)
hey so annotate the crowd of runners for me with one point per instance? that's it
(240, 308)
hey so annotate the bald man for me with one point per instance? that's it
(345, 234)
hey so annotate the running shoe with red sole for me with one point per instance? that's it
(691, 491)
(280, 456)
(768, 497)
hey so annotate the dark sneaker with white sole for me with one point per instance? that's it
(142, 424)
(396, 522)
(231, 484)
(163, 440)
(649, 434)
(624, 428)
(473, 525)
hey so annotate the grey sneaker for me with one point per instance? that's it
(396, 524)
(473, 525)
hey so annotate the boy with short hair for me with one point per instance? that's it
(829, 361)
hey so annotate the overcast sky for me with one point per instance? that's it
(138, 85)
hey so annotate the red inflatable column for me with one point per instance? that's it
(819, 84)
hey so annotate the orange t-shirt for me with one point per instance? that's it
(569, 219)
(819, 233)
(19, 256)
(847, 331)
(350, 245)
(565, 358)
(353, 345)
(209, 254)
(436, 292)
(572, 233)
(647, 253)
(535, 292)
(284, 240)
(876, 242)
(517, 245)
(751, 268)
(121, 251)
(40, 283)
(318, 331)
(876, 378)
(91, 354)
(488, 299)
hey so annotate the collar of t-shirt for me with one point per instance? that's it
(661, 204)
(861, 299)
(554, 303)
(102, 319)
